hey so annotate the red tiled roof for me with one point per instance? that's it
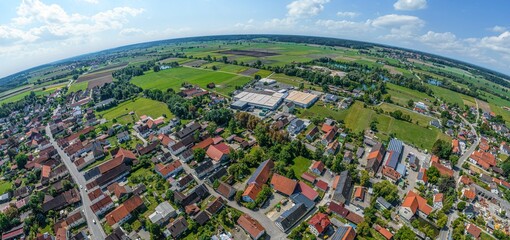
(338, 209)
(465, 180)
(124, 153)
(320, 222)
(326, 128)
(438, 197)
(484, 159)
(318, 165)
(95, 194)
(322, 185)
(416, 202)
(455, 146)
(46, 170)
(383, 231)
(283, 184)
(469, 194)
(107, 166)
(308, 191)
(359, 192)
(473, 230)
(434, 158)
(250, 225)
(443, 170)
(166, 169)
(252, 191)
(123, 210)
(308, 177)
(216, 152)
(203, 144)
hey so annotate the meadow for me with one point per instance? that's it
(140, 106)
(175, 77)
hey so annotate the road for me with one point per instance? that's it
(95, 228)
(445, 232)
(271, 229)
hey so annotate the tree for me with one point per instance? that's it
(461, 206)
(442, 149)
(239, 196)
(404, 233)
(364, 178)
(82, 137)
(441, 222)
(433, 175)
(387, 190)
(214, 68)
(410, 103)
(21, 160)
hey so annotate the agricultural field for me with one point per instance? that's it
(38, 92)
(321, 110)
(293, 81)
(420, 119)
(452, 97)
(496, 105)
(77, 86)
(175, 77)
(401, 95)
(140, 106)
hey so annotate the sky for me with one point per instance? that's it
(35, 32)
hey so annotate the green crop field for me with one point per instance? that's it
(140, 106)
(75, 87)
(453, 97)
(416, 117)
(293, 81)
(402, 95)
(497, 104)
(38, 92)
(175, 77)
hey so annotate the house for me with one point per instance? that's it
(381, 203)
(14, 233)
(484, 159)
(333, 148)
(443, 170)
(435, 123)
(473, 231)
(178, 227)
(251, 226)
(162, 213)
(183, 182)
(422, 176)
(469, 194)
(215, 206)
(118, 190)
(307, 191)
(283, 184)
(188, 130)
(196, 195)
(102, 206)
(504, 148)
(342, 185)
(469, 211)
(319, 223)
(330, 98)
(414, 204)
(330, 134)
(312, 134)
(375, 158)
(322, 185)
(438, 201)
(344, 233)
(218, 152)
(289, 107)
(455, 147)
(308, 177)
(317, 167)
(257, 179)
(168, 170)
(123, 213)
(296, 126)
(359, 193)
(201, 218)
(291, 217)
(226, 190)
(62, 200)
(383, 231)
(204, 169)
(348, 157)
(123, 137)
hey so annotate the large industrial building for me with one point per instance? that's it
(302, 99)
(264, 99)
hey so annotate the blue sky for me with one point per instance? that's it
(34, 32)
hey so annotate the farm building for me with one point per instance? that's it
(265, 99)
(302, 99)
(267, 81)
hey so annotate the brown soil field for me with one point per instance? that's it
(100, 81)
(483, 105)
(249, 71)
(196, 63)
(249, 53)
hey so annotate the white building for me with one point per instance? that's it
(162, 213)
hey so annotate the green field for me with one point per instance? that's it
(293, 81)
(4, 187)
(322, 111)
(416, 117)
(38, 92)
(497, 104)
(75, 87)
(402, 95)
(175, 77)
(300, 166)
(452, 97)
(140, 106)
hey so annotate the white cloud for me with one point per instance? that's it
(92, 1)
(498, 29)
(408, 5)
(305, 8)
(500, 43)
(347, 14)
(400, 26)
(445, 41)
(345, 26)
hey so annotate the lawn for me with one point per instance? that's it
(293, 81)
(321, 110)
(175, 77)
(140, 106)
(359, 119)
(496, 104)
(4, 187)
(452, 97)
(75, 87)
(300, 166)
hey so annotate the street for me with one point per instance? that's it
(95, 229)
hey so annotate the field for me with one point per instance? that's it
(20, 95)
(293, 81)
(4, 187)
(140, 106)
(300, 166)
(77, 86)
(453, 97)
(358, 118)
(402, 95)
(175, 77)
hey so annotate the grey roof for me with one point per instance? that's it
(187, 130)
(290, 217)
(384, 203)
(343, 184)
(257, 172)
(300, 198)
(340, 233)
(396, 145)
(393, 159)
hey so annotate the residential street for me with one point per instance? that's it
(95, 228)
